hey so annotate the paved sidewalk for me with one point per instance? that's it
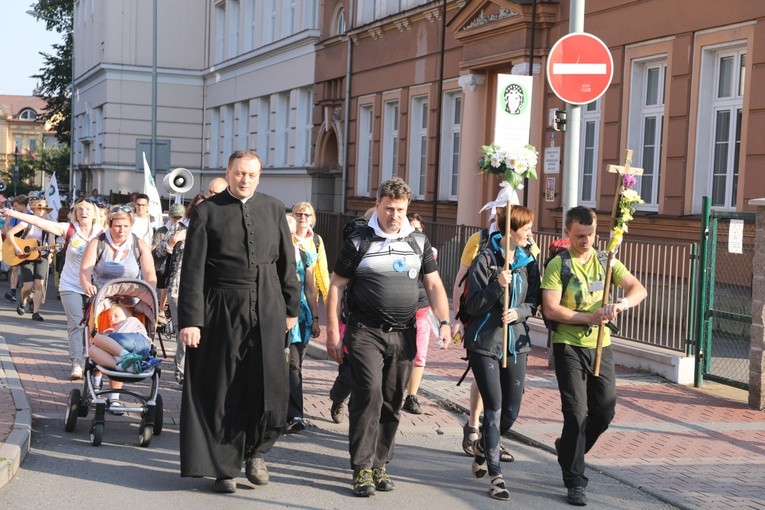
(689, 447)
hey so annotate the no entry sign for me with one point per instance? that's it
(580, 68)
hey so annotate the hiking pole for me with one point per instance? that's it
(621, 213)
(506, 303)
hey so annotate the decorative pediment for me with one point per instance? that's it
(479, 13)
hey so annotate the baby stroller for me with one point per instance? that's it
(142, 300)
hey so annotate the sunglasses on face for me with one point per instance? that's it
(121, 208)
(298, 214)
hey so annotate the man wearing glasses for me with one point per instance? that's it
(217, 185)
(142, 226)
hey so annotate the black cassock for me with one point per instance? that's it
(238, 284)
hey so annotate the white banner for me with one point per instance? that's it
(150, 189)
(512, 118)
(53, 198)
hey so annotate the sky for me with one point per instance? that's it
(23, 38)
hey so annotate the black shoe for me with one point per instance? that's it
(20, 309)
(337, 411)
(256, 471)
(224, 486)
(37, 317)
(577, 496)
(382, 480)
(469, 435)
(11, 295)
(30, 306)
(295, 425)
(412, 405)
(363, 483)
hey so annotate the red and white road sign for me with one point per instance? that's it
(580, 68)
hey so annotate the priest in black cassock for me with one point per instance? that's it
(238, 296)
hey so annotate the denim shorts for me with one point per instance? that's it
(133, 342)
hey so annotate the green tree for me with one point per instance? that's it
(56, 74)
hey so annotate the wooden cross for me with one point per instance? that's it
(621, 170)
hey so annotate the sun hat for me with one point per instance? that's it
(177, 211)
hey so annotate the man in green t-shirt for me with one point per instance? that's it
(588, 402)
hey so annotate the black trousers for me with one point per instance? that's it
(380, 364)
(295, 405)
(588, 404)
(502, 392)
(343, 385)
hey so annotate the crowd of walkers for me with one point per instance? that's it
(243, 281)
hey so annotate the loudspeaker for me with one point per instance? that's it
(3, 186)
(178, 181)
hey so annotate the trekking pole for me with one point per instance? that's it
(619, 219)
(506, 304)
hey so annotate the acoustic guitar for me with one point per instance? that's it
(30, 247)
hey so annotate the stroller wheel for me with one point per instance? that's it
(145, 435)
(72, 410)
(96, 434)
(158, 416)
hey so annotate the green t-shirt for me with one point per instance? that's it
(584, 293)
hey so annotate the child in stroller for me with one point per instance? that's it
(125, 346)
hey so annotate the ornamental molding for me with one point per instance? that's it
(469, 82)
(482, 18)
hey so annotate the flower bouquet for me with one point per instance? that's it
(628, 200)
(512, 164)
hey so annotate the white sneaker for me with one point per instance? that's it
(76, 374)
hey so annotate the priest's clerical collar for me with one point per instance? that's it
(242, 200)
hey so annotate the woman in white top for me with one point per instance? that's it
(84, 225)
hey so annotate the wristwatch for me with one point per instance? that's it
(444, 323)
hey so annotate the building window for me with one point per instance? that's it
(264, 126)
(232, 37)
(364, 143)
(450, 146)
(28, 114)
(220, 32)
(418, 148)
(646, 126)
(227, 129)
(339, 22)
(282, 128)
(304, 127)
(243, 131)
(390, 141)
(214, 137)
(721, 102)
(588, 155)
(32, 145)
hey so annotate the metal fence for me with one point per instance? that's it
(665, 268)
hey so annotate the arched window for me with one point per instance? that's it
(28, 114)
(339, 21)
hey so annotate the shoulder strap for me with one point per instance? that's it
(365, 235)
(603, 259)
(316, 241)
(565, 269)
(100, 246)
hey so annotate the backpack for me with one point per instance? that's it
(359, 227)
(560, 248)
(461, 314)
(102, 245)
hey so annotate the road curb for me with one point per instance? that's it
(16, 447)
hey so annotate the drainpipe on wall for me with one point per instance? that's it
(440, 114)
(532, 43)
(347, 109)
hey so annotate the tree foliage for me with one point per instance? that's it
(56, 74)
